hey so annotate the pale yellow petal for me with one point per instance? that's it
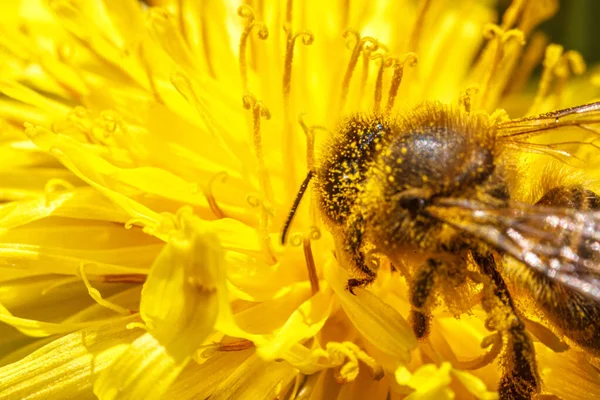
(381, 324)
(256, 379)
(67, 367)
(200, 380)
(180, 300)
(144, 370)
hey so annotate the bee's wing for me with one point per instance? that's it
(577, 144)
(585, 117)
(560, 243)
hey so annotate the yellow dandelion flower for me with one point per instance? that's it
(151, 154)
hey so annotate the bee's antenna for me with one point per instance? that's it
(290, 216)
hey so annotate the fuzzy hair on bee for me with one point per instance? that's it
(434, 187)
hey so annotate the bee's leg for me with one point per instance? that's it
(520, 379)
(577, 316)
(421, 289)
(352, 247)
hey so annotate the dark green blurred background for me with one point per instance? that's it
(576, 26)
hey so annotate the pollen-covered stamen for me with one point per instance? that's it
(502, 39)
(466, 97)
(360, 45)
(386, 62)
(288, 136)
(310, 266)
(246, 12)
(347, 355)
(95, 294)
(410, 59)
(210, 198)
(415, 37)
(558, 67)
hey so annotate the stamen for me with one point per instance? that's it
(464, 101)
(386, 62)
(347, 355)
(536, 12)
(415, 38)
(124, 278)
(246, 12)
(361, 44)
(265, 213)
(502, 38)
(95, 294)
(556, 65)
(512, 14)
(289, 8)
(310, 265)
(259, 110)
(411, 59)
(288, 136)
(531, 59)
(494, 340)
(208, 193)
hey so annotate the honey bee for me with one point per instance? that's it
(433, 185)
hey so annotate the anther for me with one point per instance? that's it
(466, 98)
(502, 38)
(310, 266)
(246, 12)
(288, 136)
(557, 65)
(259, 111)
(512, 14)
(360, 45)
(410, 59)
(386, 62)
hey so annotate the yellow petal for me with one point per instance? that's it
(143, 371)
(39, 328)
(474, 385)
(212, 372)
(179, 300)
(381, 324)
(255, 379)
(304, 323)
(66, 368)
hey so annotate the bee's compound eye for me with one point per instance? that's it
(414, 204)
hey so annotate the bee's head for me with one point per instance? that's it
(345, 161)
